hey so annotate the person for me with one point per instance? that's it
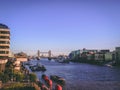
(43, 87)
(45, 77)
(49, 82)
(58, 87)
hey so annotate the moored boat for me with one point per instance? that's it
(57, 79)
(38, 68)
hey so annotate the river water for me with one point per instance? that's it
(81, 76)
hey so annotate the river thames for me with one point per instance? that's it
(81, 76)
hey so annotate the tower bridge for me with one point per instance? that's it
(44, 54)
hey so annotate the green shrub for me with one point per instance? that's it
(19, 86)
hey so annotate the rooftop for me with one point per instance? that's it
(3, 26)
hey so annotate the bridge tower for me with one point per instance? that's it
(49, 55)
(38, 53)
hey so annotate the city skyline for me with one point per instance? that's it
(61, 26)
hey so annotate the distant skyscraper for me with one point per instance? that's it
(4, 45)
(38, 53)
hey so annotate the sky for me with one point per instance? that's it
(61, 25)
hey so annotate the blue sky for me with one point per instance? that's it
(61, 25)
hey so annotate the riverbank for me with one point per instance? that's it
(12, 79)
(88, 61)
(116, 64)
(20, 86)
(96, 62)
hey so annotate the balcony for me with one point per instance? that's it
(4, 30)
(1, 39)
(3, 61)
(4, 49)
(4, 44)
(4, 34)
(4, 54)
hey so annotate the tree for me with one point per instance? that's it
(1, 75)
(19, 76)
(5, 78)
(32, 77)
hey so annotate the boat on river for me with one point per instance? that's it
(57, 79)
(49, 58)
(38, 67)
(38, 58)
(62, 59)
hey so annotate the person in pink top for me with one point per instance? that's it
(49, 82)
(58, 87)
(46, 78)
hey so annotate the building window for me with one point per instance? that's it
(4, 47)
(4, 42)
(3, 57)
(4, 52)
(4, 32)
(4, 37)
